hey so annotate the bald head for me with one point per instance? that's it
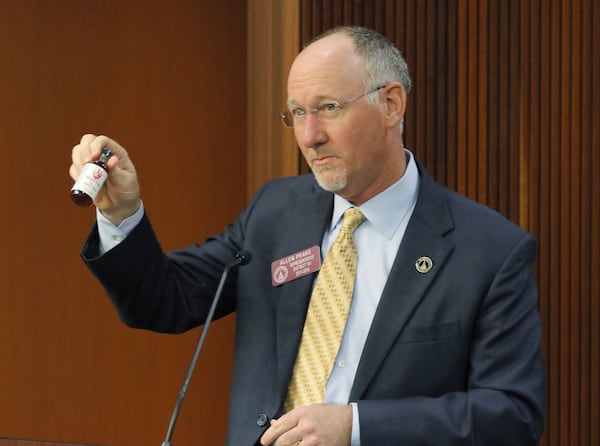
(333, 57)
(382, 60)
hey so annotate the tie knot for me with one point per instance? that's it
(352, 219)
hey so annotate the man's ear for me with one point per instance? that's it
(395, 103)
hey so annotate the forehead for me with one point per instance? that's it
(327, 68)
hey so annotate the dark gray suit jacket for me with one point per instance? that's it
(453, 355)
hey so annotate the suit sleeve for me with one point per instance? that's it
(502, 403)
(165, 292)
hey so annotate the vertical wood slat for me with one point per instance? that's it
(548, 283)
(480, 95)
(592, 131)
(505, 110)
(272, 45)
(458, 150)
(570, 93)
(579, 103)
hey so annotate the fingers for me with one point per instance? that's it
(81, 155)
(278, 428)
(89, 149)
(97, 143)
(328, 424)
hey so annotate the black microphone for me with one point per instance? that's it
(241, 258)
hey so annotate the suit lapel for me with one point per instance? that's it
(312, 212)
(406, 286)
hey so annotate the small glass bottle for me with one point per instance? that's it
(91, 179)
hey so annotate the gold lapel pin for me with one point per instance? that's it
(424, 264)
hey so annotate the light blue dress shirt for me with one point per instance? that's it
(377, 241)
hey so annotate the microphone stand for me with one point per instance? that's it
(241, 258)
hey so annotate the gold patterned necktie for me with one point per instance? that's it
(326, 318)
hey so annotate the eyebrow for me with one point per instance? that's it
(320, 98)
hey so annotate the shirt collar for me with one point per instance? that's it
(386, 210)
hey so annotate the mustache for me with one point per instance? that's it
(312, 154)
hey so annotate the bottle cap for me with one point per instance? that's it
(105, 154)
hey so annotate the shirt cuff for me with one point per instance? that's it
(355, 440)
(111, 235)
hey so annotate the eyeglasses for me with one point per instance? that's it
(327, 111)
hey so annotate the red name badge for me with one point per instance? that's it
(296, 265)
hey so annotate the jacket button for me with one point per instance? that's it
(262, 420)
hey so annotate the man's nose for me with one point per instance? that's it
(312, 133)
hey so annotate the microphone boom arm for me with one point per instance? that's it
(241, 258)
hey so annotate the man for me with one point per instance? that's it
(442, 339)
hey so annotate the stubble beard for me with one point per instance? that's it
(333, 183)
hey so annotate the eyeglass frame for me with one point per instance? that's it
(287, 115)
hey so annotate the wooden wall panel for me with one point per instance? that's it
(272, 46)
(461, 122)
(506, 109)
(164, 78)
(560, 134)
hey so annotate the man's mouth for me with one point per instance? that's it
(322, 160)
